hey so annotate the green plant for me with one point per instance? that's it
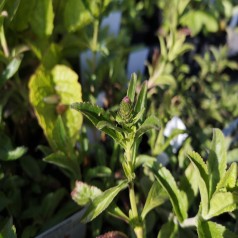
(213, 180)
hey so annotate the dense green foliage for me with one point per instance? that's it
(59, 151)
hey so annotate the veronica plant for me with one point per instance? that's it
(126, 128)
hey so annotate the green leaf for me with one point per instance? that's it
(167, 181)
(12, 8)
(7, 152)
(168, 230)
(8, 230)
(222, 202)
(156, 197)
(141, 99)
(202, 172)
(51, 201)
(98, 172)
(76, 15)
(101, 202)
(228, 181)
(60, 159)
(208, 229)
(31, 167)
(84, 193)
(23, 15)
(60, 137)
(190, 184)
(99, 118)
(132, 87)
(145, 160)
(217, 160)
(62, 82)
(151, 122)
(232, 156)
(42, 18)
(11, 69)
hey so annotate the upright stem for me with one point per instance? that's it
(4, 42)
(138, 228)
(135, 219)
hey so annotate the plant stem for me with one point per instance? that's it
(138, 228)
(4, 42)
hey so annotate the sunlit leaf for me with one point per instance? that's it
(101, 202)
(84, 193)
(217, 160)
(208, 229)
(63, 82)
(222, 202)
(132, 87)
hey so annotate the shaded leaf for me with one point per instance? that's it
(167, 181)
(96, 114)
(151, 122)
(51, 201)
(217, 160)
(11, 69)
(42, 18)
(168, 230)
(98, 172)
(8, 230)
(7, 152)
(202, 171)
(60, 159)
(156, 197)
(101, 202)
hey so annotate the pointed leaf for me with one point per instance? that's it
(42, 18)
(7, 152)
(141, 99)
(208, 229)
(201, 169)
(156, 197)
(98, 172)
(152, 122)
(228, 181)
(168, 230)
(60, 136)
(190, 184)
(101, 202)
(11, 69)
(60, 159)
(217, 160)
(8, 230)
(167, 181)
(96, 114)
(222, 202)
(84, 193)
(63, 82)
(132, 87)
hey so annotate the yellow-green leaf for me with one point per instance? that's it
(61, 82)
